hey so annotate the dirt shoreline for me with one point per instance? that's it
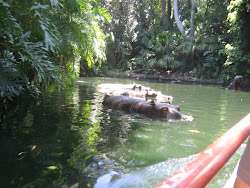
(166, 80)
(191, 81)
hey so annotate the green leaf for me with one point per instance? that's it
(52, 167)
(103, 12)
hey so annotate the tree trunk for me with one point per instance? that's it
(62, 62)
(177, 18)
(169, 11)
(163, 9)
(192, 21)
(194, 4)
(166, 17)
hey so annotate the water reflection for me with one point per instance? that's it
(69, 138)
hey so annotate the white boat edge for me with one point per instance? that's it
(231, 180)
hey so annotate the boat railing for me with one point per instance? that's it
(200, 171)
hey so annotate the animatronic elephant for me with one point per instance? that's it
(132, 105)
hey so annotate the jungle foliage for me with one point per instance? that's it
(42, 40)
(237, 50)
(204, 48)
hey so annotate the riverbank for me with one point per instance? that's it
(175, 79)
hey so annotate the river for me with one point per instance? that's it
(68, 139)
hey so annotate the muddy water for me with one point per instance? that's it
(68, 138)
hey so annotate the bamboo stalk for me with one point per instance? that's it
(200, 171)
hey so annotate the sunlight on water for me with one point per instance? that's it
(152, 141)
(68, 138)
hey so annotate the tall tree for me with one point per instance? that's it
(166, 17)
(194, 4)
(192, 23)
(177, 18)
(169, 11)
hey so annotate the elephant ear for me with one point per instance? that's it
(164, 108)
(152, 103)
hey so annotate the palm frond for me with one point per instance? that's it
(103, 12)
(152, 62)
(56, 3)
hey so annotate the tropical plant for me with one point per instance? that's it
(183, 47)
(43, 41)
(21, 59)
(38, 37)
(237, 49)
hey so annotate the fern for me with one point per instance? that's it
(168, 59)
(21, 59)
(102, 12)
(56, 3)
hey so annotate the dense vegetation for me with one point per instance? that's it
(47, 42)
(41, 41)
(203, 38)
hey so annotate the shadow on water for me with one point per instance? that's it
(69, 139)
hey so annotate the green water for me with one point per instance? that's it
(69, 139)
